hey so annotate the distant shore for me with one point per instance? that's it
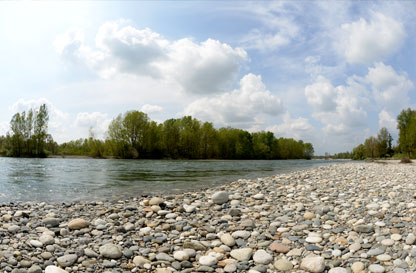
(354, 216)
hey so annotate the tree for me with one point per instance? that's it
(371, 145)
(359, 152)
(405, 123)
(384, 140)
(308, 150)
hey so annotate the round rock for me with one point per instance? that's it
(283, 265)
(78, 224)
(262, 257)
(110, 251)
(242, 254)
(313, 264)
(54, 269)
(67, 260)
(220, 197)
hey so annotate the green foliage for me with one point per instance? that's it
(29, 133)
(134, 135)
(406, 123)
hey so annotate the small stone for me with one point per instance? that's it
(357, 267)
(46, 239)
(67, 260)
(90, 253)
(207, 260)
(364, 228)
(384, 257)
(262, 257)
(313, 264)
(54, 269)
(338, 270)
(181, 255)
(35, 243)
(375, 268)
(78, 224)
(258, 196)
(387, 242)
(242, 254)
(410, 239)
(396, 237)
(140, 261)
(155, 201)
(308, 215)
(354, 247)
(34, 269)
(279, 248)
(313, 240)
(13, 228)
(220, 197)
(283, 265)
(52, 222)
(110, 251)
(230, 267)
(227, 240)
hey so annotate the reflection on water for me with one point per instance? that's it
(59, 179)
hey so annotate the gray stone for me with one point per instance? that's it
(67, 260)
(110, 251)
(313, 264)
(220, 197)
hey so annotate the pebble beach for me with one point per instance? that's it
(348, 217)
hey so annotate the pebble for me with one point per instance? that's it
(242, 254)
(110, 251)
(313, 264)
(67, 260)
(338, 270)
(78, 223)
(220, 197)
(279, 248)
(227, 240)
(375, 268)
(54, 269)
(357, 267)
(283, 265)
(262, 257)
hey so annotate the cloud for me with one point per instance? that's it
(386, 120)
(298, 128)
(390, 89)
(321, 95)
(278, 26)
(340, 108)
(365, 42)
(97, 121)
(150, 109)
(241, 107)
(206, 67)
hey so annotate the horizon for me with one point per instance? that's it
(315, 71)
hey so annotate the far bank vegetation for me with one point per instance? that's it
(133, 135)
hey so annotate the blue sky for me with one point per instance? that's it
(330, 73)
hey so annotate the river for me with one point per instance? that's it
(65, 180)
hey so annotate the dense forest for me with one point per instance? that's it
(133, 135)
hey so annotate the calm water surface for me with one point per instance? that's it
(59, 179)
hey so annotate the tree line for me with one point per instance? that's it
(133, 135)
(380, 146)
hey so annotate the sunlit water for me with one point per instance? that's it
(59, 179)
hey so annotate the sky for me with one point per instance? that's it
(331, 73)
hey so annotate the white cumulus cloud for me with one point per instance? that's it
(150, 109)
(365, 42)
(390, 89)
(386, 120)
(96, 121)
(241, 107)
(206, 67)
(297, 128)
(321, 95)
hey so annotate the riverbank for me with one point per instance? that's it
(351, 217)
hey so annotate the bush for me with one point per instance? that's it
(405, 160)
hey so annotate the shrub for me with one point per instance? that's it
(405, 160)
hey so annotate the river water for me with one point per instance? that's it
(61, 179)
